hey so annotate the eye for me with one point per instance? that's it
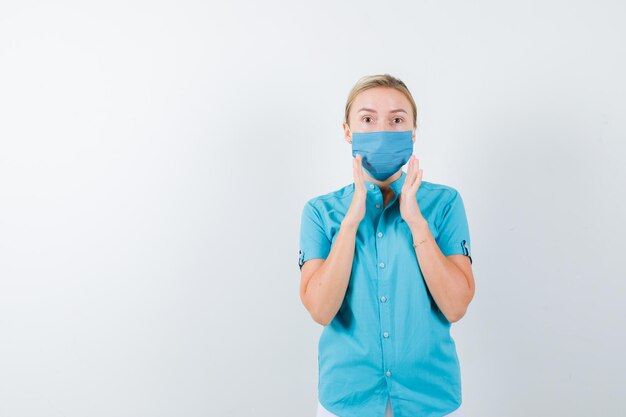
(398, 118)
(367, 119)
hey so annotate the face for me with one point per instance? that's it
(377, 109)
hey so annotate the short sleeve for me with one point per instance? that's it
(453, 237)
(313, 240)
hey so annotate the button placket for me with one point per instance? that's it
(383, 283)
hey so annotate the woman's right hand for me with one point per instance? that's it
(356, 211)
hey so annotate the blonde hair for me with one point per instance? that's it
(379, 80)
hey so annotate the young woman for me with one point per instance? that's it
(386, 268)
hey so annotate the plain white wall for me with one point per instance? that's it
(155, 158)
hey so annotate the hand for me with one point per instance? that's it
(409, 210)
(356, 211)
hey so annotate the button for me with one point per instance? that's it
(388, 373)
(372, 186)
(382, 264)
(377, 205)
(383, 299)
(385, 335)
(380, 234)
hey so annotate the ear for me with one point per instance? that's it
(347, 135)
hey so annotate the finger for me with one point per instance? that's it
(418, 180)
(409, 172)
(417, 168)
(358, 173)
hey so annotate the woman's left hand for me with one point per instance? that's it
(409, 210)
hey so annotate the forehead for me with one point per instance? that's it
(381, 99)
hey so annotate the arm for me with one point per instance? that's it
(324, 281)
(326, 271)
(449, 278)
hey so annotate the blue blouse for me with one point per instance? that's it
(389, 339)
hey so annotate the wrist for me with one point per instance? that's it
(346, 225)
(418, 225)
(420, 232)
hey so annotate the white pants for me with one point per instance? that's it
(322, 412)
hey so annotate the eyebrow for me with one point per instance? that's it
(374, 111)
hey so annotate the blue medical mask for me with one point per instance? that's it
(384, 152)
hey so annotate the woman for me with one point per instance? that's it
(386, 268)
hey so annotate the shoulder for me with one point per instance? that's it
(331, 198)
(442, 193)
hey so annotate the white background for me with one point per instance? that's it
(155, 158)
